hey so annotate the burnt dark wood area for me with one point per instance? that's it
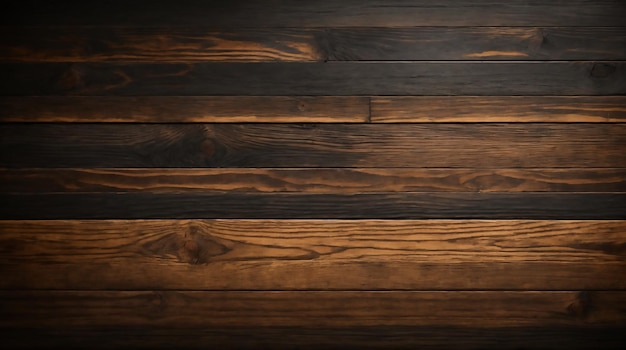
(313, 174)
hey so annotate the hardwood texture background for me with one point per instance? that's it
(313, 174)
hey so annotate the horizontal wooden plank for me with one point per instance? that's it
(313, 145)
(284, 13)
(581, 337)
(320, 109)
(394, 205)
(510, 109)
(312, 180)
(478, 43)
(185, 109)
(176, 310)
(313, 254)
(313, 78)
(59, 44)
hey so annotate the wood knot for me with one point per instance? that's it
(301, 106)
(581, 307)
(157, 302)
(207, 147)
(71, 78)
(602, 70)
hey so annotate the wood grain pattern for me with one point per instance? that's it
(394, 205)
(306, 180)
(166, 309)
(306, 78)
(313, 254)
(61, 44)
(510, 109)
(313, 145)
(581, 337)
(324, 13)
(185, 109)
(478, 43)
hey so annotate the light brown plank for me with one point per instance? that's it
(313, 254)
(509, 109)
(184, 109)
(306, 180)
(180, 310)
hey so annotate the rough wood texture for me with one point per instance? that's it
(313, 254)
(62, 44)
(511, 109)
(313, 145)
(404, 205)
(305, 78)
(321, 109)
(184, 109)
(318, 180)
(316, 13)
(175, 310)
(479, 43)
(444, 174)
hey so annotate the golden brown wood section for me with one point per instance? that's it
(317, 180)
(50, 309)
(62, 44)
(184, 109)
(313, 254)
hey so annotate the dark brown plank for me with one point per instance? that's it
(313, 254)
(179, 310)
(478, 43)
(61, 44)
(581, 337)
(313, 145)
(405, 205)
(285, 13)
(318, 180)
(185, 109)
(306, 78)
(510, 109)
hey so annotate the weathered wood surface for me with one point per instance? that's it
(510, 109)
(312, 180)
(313, 254)
(313, 78)
(321, 109)
(62, 44)
(179, 310)
(394, 205)
(184, 109)
(313, 145)
(316, 13)
(478, 43)
(313, 174)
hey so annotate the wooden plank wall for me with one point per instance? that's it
(315, 174)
